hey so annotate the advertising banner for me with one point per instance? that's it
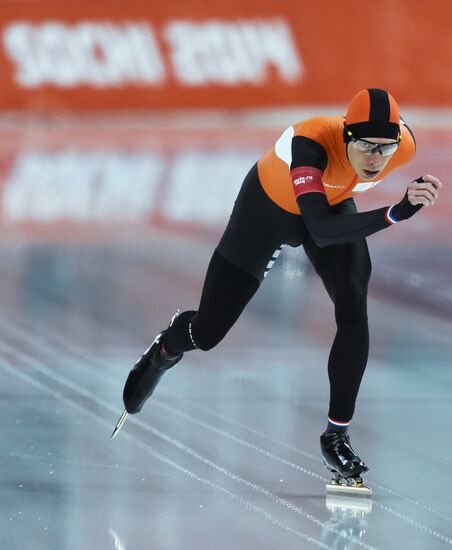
(97, 55)
(107, 175)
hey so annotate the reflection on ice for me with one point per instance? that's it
(118, 543)
(349, 521)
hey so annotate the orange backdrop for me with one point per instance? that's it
(92, 55)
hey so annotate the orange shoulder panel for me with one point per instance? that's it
(274, 166)
(315, 128)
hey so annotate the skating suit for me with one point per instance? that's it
(266, 216)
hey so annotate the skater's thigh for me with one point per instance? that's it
(343, 268)
(258, 229)
(227, 290)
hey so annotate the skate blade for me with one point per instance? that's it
(346, 489)
(121, 421)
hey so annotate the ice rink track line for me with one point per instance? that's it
(196, 455)
(80, 353)
(84, 464)
(240, 441)
(276, 441)
(149, 450)
(48, 373)
(277, 458)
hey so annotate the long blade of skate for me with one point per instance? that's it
(121, 421)
(345, 488)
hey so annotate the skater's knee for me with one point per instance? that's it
(206, 342)
(205, 337)
(351, 305)
(351, 314)
(206, 346)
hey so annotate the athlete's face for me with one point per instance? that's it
(366, 164)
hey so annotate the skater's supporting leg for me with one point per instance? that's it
(345, 271)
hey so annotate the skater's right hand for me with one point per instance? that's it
(423, 191)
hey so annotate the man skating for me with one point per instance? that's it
(301, 193)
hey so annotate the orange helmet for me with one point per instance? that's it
(372, 113)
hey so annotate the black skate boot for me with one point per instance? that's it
(145, 376)
(341, 459)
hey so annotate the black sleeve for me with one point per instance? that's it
(307, 152)
(327, 228)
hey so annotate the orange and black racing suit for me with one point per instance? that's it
(299, 193)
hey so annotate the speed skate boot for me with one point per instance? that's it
(347, 467)
(145, 376)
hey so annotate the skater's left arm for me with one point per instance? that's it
(328, 228)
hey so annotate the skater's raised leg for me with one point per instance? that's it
(146, 373)
(256, 232)
(227, 290)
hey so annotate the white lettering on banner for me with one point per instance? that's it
(103, 54)
(106, 186)
(203, 186)
(98, 54)
(233, 52)
(117, 187)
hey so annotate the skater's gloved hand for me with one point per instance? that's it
(423, 191)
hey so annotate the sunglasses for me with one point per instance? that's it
(385, 149)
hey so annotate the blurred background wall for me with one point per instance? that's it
(118, 119)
